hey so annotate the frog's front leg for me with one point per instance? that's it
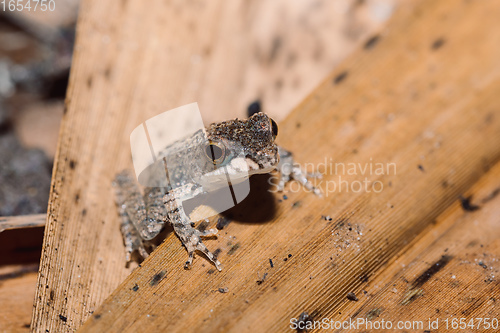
(190, 237)
(290, 170)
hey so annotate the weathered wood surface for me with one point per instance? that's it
(422, 96)
(134, 61)
(17, 288)
(450, 273)
(20, 247)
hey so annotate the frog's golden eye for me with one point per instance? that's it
(215, 152)
(274, 127)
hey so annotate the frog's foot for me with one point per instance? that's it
(190, 237)
(133, 242)
(290, 170)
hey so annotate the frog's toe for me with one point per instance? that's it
(290, 170)
(297, 174)
(305, 179)
(132, 246)
(209, 232)
(202, 248)
(191, 240)
(142, 251)
(283, 179)
(189, 262)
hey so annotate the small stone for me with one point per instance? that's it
(352, 297)
(223, 290)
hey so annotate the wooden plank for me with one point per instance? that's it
(17, 289)
(450, 273)
(143, 60)
(417, 99)
(20, 246)
(22, 221)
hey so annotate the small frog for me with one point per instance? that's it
(242, 147)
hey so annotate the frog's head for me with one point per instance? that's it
(243, 147)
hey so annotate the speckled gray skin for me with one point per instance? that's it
(242, 147)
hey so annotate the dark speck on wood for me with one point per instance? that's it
(275, 47)
(222, 222)
(217, 252)
(374, 313)
(339, 78)
(341, 222)
(491, 196)
(304, 319)
(260, 281)
(364, 278)
(370, 43)
(436, 267)
(157, 278)
(352, 297)
(467, 205)
(203, 226)
(438, 43)
(234, 248)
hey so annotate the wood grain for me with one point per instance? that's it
(17, 288)
(132, 62)
(448, 274)
(20, 246)
(419, 99)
